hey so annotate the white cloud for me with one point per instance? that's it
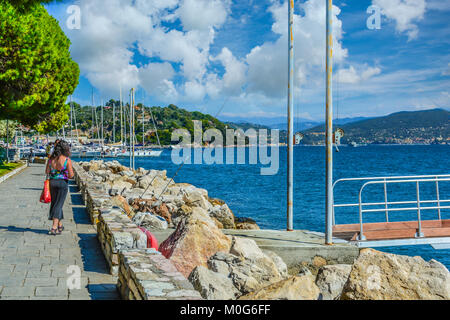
(203, 14)
(112, 30)
(405, 13)
(351, 75)
(155, 78)
(268, 62)
(235, 72)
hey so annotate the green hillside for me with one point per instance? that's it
(428, 126)
(167, 119)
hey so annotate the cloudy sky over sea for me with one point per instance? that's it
(231, 55)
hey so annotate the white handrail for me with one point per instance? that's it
(434, 204)
(417, 182)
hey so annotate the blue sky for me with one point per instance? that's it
(205, 54)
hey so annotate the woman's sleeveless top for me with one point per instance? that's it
(62, 174)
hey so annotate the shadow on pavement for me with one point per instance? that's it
(91, 253)
(20, 230)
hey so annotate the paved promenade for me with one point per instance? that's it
(34, 265)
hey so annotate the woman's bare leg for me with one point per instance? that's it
(55, 223)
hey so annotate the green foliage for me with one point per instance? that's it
(12, 127)
(25, 5)
(37, 73)
(167, 120)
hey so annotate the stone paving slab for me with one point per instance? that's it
(34, 265)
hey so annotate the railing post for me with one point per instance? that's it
(385, 200)
(419, 233)
(361, 233)
(437, 198)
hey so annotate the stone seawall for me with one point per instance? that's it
(148, 275)
(144, 273)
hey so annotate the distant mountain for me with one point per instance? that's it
(406, 127)
(303, 124)
(246, 125)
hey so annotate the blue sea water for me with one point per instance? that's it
(263, 198)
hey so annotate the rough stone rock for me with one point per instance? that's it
(249, 268)
(150, 221)
(294, 288)
(377, 275)
(212, 285)
(122, 203)
(197, 199)
(224, 215)
(153, 179)
(127, 173)
(279, 263)
(331, 280)
(245, 224)
(195, 240)
(246, 248)
(121, 185)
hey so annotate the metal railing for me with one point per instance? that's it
(387, 205)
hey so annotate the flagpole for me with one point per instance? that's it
(329, 127)
(290, 137)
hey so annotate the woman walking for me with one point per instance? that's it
(59, 170)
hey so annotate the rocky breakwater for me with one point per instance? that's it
(149, 195)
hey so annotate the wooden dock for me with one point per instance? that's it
(393, 230)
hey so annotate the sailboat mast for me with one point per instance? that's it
(71, 121)
(154, 125)
(103, 139)
(121, 118)
(143, 125)
(290, 137)
(329, 127)
(114, 122)
(93, 118)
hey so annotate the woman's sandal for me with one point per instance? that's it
(53, 232)
(61, 229)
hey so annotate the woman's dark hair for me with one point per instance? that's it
(61, 148)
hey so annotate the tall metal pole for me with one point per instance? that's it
(93, 120)
(121, 118)
(329, 127)
(290, 137)
(103, 138)
(114, 122)
(133, 125)
(143, 125)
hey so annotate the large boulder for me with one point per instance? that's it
(121, 185)
(196, 198)
(247, 266)
(331, 280)
(212, 285)
(194, 241)
(294, 288)
(377, 275)
(152, 180)
(224, 215)
(122, 203)
(150, 221)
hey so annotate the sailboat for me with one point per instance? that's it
(140, 152)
